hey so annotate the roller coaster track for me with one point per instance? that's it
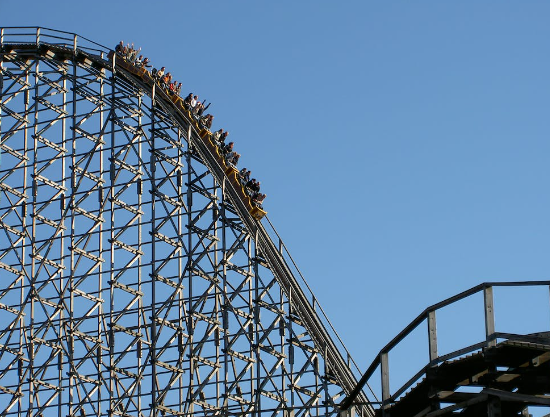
(199, 142)
(37, 350)
(274, 258)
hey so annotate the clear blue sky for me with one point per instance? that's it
(404, 146)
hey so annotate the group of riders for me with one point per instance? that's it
(197, 109)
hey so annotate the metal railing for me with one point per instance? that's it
(314, 303)
(33, 35)
(428, 316)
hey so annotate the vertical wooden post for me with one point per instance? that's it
(385, 373)
(432, 336)
(489, 316)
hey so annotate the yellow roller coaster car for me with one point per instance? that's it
(231, 172)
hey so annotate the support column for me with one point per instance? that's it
(489, 316)
(432, 335)
(385, 373)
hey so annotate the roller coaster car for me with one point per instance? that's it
(233, 176)
(205, 134)
(253, 209)
(177, 100)
(140, 72)
(258, 213)
(232, 171)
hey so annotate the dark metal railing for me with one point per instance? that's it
(428, 316)
(40, 35)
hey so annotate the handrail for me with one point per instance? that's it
(491, 336)
(313, 302)
(41, 35)
(316, 305)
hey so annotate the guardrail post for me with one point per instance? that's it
(37, 36)
(432, 336)
(385, 374)
(489, 316)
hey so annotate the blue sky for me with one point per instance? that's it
(404, 146)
